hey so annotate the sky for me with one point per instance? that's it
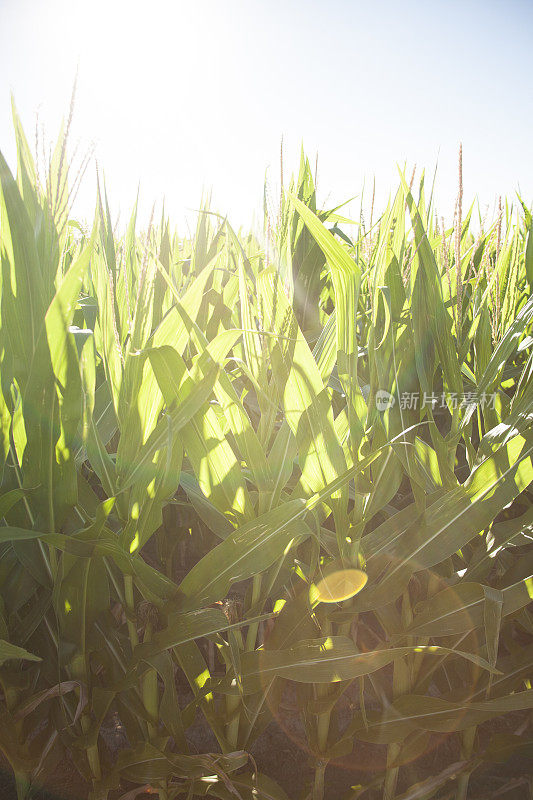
(186, 98)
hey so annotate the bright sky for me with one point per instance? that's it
(191, 96)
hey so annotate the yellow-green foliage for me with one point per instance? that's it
(181, 416)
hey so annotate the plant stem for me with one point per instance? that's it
(78, 671)
(251, 636)
(321, 691)
(130, 610)
(93, 756)
(467, 746)
(149, 690)
(232, 731)
(233, 701)
(318, 786)
(401, 684)
(22, 784)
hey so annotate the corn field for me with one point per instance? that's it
(243, 470)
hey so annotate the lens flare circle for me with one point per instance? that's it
(339, 585)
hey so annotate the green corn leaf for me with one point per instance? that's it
(327, 660)
(10, 651)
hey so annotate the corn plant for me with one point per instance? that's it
(253, 466)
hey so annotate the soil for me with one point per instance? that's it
(280, 752)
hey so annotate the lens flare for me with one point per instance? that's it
(338, 586)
